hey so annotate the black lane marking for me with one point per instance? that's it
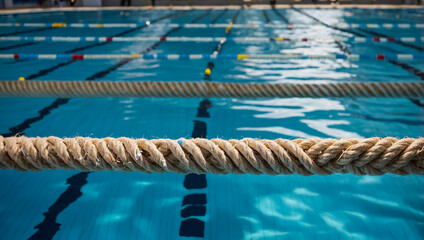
(46, 71)
(327, 25)
(195, 199)
(199, 128)
(219, 16)
(417, 102)
(342, 47)
(280, 15)
(190, 225)
(26, 31)
(416, 72)
(17, 46)
(407, 67)
(15, 130)
(404, 66)
(202, 110)
(193, 211)
(267, 20)
(49, 227)
(195, 181)
(193, 227)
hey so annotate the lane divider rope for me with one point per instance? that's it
(371, 156)
(351, 57)
(208, 39)
(70, 89)
(215, 25)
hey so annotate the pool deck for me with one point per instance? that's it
(258, 6)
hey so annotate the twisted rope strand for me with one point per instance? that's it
(372, 156)
(68, 89)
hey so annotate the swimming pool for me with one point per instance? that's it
(113, 205)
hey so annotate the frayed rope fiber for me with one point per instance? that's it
(371, 156)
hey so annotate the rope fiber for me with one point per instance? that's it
(68, 89)
(372, 156)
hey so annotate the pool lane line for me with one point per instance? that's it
(339, 44)
(327, 25)
(46, 71)
(285, 20)
(124, 33)
(49, 226)
(220, 45)
(267, 20)
(25, 44)
(219, 16)
(395, 40)
(20, 128)
(343, 48)
(417, 72)
(191, 225)
(361, 29)
(21, 45)
(118, 34)
(215, 55)
(404, 66)
(26, 31)
(71, 60)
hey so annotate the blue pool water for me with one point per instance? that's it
(114, 205)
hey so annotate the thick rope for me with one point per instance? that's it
(372, 156)
(68, 89)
